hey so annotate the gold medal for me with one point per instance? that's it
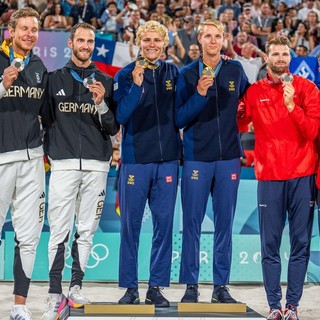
(18, 63)
(209, 72)
(142, 63)
(286, 77)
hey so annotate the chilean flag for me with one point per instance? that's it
(111, 56)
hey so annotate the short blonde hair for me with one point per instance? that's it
(211, 22)
(23, 13)
(152, 26)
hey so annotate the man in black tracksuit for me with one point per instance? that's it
(79, 149)
(22, 177)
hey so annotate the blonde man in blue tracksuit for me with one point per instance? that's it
(145, 97)
(206, 110)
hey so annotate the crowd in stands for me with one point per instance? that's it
(256, 21)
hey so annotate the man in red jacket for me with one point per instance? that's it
(285, 112)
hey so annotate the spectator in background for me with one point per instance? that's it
(247, 11)
(5, 17)
(83, 12)
(261, 25)
(288, 26)
(98, 6)
(241, 38)
(313, 26)
(246, 27)
(56, 19)
(301, 51)
(28, 3)
(256, 9)
(302, 37)
(229, 4)
(192, 55)
(276, 28)
(281, 10)
(310, 6)
(206, 108)
(251, 65)
(22, 175)
(188, 34)
(107, 21)
(292, 12)
(67, 5)
(3, 6)
(149, 168)
(286, 183)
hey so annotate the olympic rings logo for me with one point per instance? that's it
(99, 252)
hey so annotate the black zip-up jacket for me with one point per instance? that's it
(78, 137)
(20, 138)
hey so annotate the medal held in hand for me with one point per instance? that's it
(88, 81)
(18, 63)
(286, 77)
(142, 63)
(209, 72)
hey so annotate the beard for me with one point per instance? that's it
(80, 56)
(278, 69)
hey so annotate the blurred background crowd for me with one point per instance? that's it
(249, 24)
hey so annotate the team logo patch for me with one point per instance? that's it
(38, 78)
(234, 176)
(168, 85)
(99, 209)
(115, 86)
(232, 86)
(168, 179)
(130, 179)
(195, 175)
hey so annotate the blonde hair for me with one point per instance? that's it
(152, 26)
(278, 40)
(211, 22)
(23, 13)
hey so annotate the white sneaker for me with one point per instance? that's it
(20, 312)
(75, 297)
(55, 304)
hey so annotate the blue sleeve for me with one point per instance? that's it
(127, 96)
(188, 105)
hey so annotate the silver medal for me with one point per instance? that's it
(88, 81)
(18, 63)
(286, 77)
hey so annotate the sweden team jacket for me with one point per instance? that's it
(210, 130)
(147, 114)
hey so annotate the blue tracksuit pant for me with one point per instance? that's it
(276, 199)
(157, 183)
(199, 179)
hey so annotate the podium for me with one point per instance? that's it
(181, 311)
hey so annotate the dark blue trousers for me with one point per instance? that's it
(157, 183)
(199, 179)
(276, 200)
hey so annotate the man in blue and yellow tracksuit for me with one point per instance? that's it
(145, 97)
(206, 110)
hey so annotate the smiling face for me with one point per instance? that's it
(25, 35)
(151, 46)
(82, 46)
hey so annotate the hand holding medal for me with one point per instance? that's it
(138, 71)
